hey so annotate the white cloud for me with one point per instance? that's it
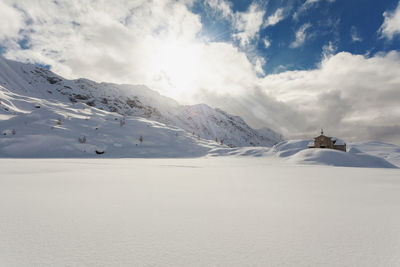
(140, 42)
(350, 96)
(328, 50)
(307, 5)
(274, 18)
(11, 21)
(347, 94)
(391, 24)
(248, 24)
(311, 2)
(301, 36)
(259, 63)
(156, 43)
(222, 6)
(267, 43)
(355, 37)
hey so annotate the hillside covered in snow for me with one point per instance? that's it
(44, 115)
(38, 106)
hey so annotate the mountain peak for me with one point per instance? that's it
(138, 101)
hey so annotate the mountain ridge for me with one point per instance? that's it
(200, 121)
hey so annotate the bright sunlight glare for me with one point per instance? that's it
(178, 64)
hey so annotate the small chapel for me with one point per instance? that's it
(324, 141)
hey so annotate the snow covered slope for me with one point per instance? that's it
(363, 154)
(131, 100)
(215, 124)
(389, 152)
(35, 127)
(45, 115)
(296, 151)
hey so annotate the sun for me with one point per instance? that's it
(178, 64)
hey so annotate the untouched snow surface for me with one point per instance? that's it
(196, 212)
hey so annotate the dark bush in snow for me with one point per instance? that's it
(82, 139)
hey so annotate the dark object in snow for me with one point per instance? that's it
(37, 106)
(81, 97)
(82, 139)
(99, 152)
(122, 122)
(53, 80)
(91, 103)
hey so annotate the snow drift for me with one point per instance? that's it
(297, 152)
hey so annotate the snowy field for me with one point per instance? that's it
(221, 211)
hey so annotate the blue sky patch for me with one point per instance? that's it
(351, 26)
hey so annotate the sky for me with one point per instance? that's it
(292, 65)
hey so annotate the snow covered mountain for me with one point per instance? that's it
(202, 121)
(45, 115)
(32, 127)
(216, 124)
